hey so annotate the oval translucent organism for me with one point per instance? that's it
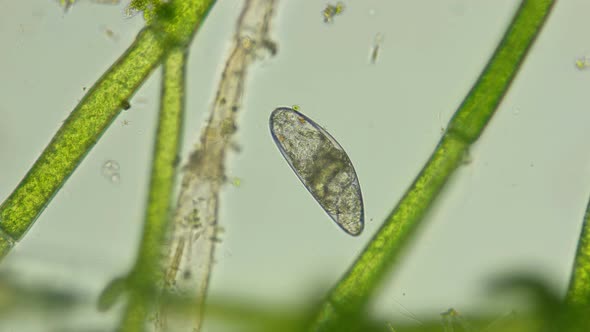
(322, 165)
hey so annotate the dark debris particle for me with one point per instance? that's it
(271, 46)
(125, 105)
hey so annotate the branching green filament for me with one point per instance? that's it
(352, 293)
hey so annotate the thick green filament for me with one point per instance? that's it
(383, 251)
(164, 165)
(481, 102)
(81, 130)
(173, 26)
(6, 244)
(352, 293)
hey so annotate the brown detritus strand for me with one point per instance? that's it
(195, 221)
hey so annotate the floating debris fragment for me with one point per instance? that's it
(332, 10)
(376, 47)
(110, 34)
(583, 62)
(236, 182)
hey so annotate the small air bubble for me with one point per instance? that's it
(110, 166)
(115, 178)
(110, 170)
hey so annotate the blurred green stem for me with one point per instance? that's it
(173, 25)
(145, 274)
(352, 293)
(578, 293)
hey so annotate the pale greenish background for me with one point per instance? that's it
(517, 206)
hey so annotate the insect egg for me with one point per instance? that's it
(322, 165)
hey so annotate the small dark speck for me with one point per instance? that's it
(176, 161)
(271, 47)
(84, 88)
(186, 274)
(222, 101)
(234, 108)
(125, 105)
